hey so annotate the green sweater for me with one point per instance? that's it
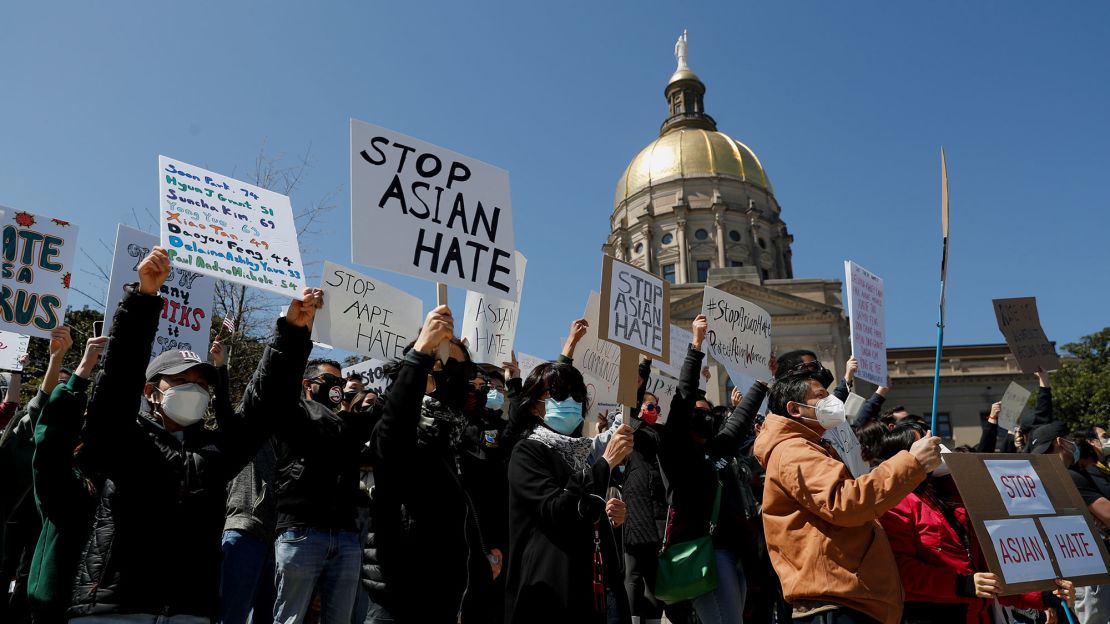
(64, 499)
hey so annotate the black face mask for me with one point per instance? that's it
(329, 390)
(453, 384)
(702, 424)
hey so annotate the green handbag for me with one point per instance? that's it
(688, 569)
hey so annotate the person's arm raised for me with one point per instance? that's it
(575, 335)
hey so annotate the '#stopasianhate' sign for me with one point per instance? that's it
(365, 315)
(12, 348)
(739, 336)
(231, 230)
(489, 323)
(637, 311)
(866, 309)
(187, 297)
(36, 271)
(421, 210)
(1020, 323)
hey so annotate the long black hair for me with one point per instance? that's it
(560, 380)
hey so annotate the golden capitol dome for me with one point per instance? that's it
(686, 152)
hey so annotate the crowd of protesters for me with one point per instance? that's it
(132, 490)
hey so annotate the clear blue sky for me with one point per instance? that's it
(846, 104)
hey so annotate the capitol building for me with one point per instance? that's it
(697, 207)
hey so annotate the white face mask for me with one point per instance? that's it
(829, 411)
(185, 404)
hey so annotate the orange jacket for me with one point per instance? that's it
(821, 524)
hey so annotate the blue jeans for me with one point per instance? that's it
(307, 559)
(724, 605)
(242, 574)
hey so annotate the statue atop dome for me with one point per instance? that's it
(680, 52)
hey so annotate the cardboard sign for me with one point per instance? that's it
(599, 360)
(1021, 325)
(1019, 486)
(637, 310)
(1020, 549)
(187, 297)
(12, 348)
(365, 315)
(1013, 404)
(373, 374)
(231, 230)
(867, 313)
(844, 440)
(1021, 552)
(489, 323)
(739, 336)
(37, 255)
(1074, 544)
(421, 210)
(527, 364)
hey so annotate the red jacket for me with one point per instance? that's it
(931, 556)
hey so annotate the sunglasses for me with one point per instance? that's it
(327, 379)
(649, 407)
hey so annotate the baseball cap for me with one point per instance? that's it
(176, 361)
(1043, 437)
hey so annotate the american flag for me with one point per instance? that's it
(229, 325)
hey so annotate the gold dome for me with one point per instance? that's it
(691, 153)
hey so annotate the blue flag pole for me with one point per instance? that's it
(943, 278)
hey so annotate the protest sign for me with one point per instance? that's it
(527, 364)
(739, 336)
(489, 323)
(36, 272)
(230, 230)
(867, 313)
(1021, 325)
(636, 309)
(187, 297)
(599, 360)
(365, 315)
(421, 210)
(373, 375)
(1013, 404)
(1030, 520)
(679, 342)
(664, 387)
(844, 440)
(853, 405)
(12, 348)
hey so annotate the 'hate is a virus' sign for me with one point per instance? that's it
(37, 266)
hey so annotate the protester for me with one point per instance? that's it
(697, 455)
(834, 562)
(65, 495)
(353, 390)
(154, 544)
(564, 562)
(425, 532)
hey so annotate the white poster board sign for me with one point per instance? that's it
(599, 361)
(373, 374)
(527, 364)
(739, 336)
(12, 347)
(188, 297)
(1020, 487)
(844, 440)
(664, 387)
(37, 266)
(228, 229)
(365, 315)
(489, 323)
(867, 313)
(679, 343)
(637, 308)
(1075, 546)
(853, 405)
(1013, 404)
(1021, 552)
(421, 210)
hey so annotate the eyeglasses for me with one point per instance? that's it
(806, 367)
(328, 379)
(649, 407)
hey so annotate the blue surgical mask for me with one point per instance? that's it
(495, 400)
(563, 416)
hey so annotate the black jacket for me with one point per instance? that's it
(424, 532)
(318, 460)
(154, 547)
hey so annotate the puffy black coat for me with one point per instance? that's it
(154, 547)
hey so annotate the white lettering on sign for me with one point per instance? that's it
(1020, 550)
(1075, 546)
(1020, 487)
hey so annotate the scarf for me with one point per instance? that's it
(574, 451)
(439, 425)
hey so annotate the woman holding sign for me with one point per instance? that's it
(939, 558)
